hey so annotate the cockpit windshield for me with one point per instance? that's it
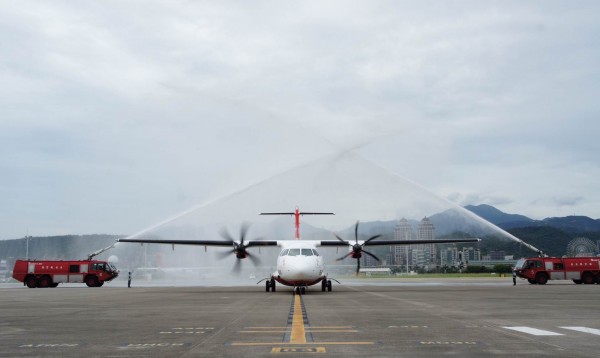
(299, 252)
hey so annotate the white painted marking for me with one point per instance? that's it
(584, 330)
(534, 331)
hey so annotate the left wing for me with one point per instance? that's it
(221, 243)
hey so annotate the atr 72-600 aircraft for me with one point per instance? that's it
(299, 264)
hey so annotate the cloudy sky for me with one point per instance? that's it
(117, 115)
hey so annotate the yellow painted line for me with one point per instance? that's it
(307, 343)
(298, 335)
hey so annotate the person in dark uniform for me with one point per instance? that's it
(129, 280)
(514, 276)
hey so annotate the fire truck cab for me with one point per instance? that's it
(46, 273)
(538, 270)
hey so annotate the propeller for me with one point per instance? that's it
(239, 248)
(357, 249)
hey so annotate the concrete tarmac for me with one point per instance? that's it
(378, 318)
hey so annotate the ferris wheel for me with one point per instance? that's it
(580, 247)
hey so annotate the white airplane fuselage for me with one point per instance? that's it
(299, 264)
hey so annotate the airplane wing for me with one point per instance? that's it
(221, 243)
(396, 242)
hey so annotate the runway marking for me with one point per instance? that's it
(307, 343)
(584, 330)
(534, 331)
(298, 333)
(298, 350)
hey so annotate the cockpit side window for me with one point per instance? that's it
(307, 252)
(315, 252)
(284, 252)
(294, 252)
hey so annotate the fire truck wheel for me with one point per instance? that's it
(54, 284)
(91, 281)
(587, 278)
(99, 284)
(44, 282)
(577, 282)
(597, 278)
(531, 281)
(541, 278)
(31, 282)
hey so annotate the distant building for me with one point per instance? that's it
(426, 231)
(401, 254)
(497, 255)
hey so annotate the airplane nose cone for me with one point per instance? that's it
(299, 270)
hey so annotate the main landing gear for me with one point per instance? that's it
(326, 285)
(270, 285)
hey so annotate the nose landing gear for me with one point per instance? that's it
(301, 290)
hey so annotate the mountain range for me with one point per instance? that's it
(574, 224)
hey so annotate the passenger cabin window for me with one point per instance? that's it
(74, 269)
(307, 252)
(294, 252)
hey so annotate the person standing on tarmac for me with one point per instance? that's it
(514, 276)
(129, 280)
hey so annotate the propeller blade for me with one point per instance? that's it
(225, 234)
(342, 240)
(254, 259)
(356, 231)
(237, 267)
(243, 231)
(373, 256)
(224, 254)
(343, 257)
(357, 266)
(371, 238)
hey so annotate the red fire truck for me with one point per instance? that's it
(538, 270)
(46, 273)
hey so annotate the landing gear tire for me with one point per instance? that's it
(323, 285)
(303, 290)
(267, 285)
(273, 285)
(329, 285)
